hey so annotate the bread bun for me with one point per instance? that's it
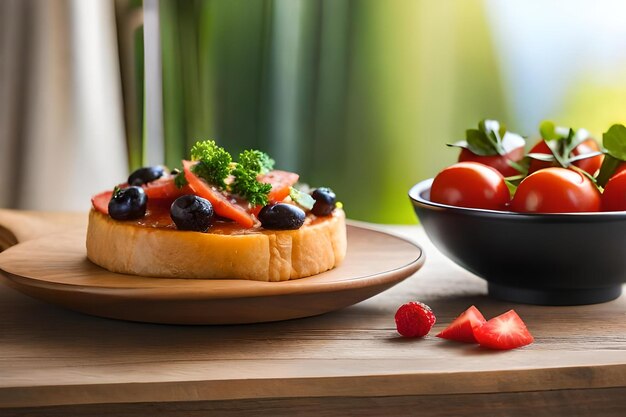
(258, 254)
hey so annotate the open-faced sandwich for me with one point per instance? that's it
(217, 219)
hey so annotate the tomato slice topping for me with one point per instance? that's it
(165, 188)
(221, 204)
(281, 186)
(100, 201)
(161, 189)
(281, 182)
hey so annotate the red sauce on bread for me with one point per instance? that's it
(158, 216)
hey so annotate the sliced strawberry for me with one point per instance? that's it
(281, 182)
(100, 201)
(462, 328)
(221, 204)
(507, 331)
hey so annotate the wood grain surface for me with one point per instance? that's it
(349, 362)
(20, 226)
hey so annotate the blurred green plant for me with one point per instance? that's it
(131, 52)
(358, 95)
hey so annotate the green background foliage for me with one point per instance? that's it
(360, 96)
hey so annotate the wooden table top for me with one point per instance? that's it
(58, 362)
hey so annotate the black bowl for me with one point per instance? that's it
(548, 259)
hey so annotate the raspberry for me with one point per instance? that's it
(414, 319)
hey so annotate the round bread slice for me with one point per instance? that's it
(262, 255)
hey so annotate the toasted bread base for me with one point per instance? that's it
(266, 255)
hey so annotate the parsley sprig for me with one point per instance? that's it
(213, 162)
(180, 180)
(215, 165)
(251, 164)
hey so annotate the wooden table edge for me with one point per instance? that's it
(414, 384)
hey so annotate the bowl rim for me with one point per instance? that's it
(416, 191)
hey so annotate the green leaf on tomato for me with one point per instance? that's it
(561, 140)
(608, 168)
(614, 141)
(557, 150)
(545, 157)
(521, 166)
(575, 138)
(548, 131)
(511, 186)
(584, 156)
(459, 144)
(479, 143)
(490, 139)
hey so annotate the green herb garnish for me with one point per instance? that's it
(258, 161)
(215, 165)
(180, 180)
(214, 162)
(614, 143)
(249, 188)
(252, 163)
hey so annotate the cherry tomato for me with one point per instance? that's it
(470, 184)
(614, 196)
(589, 165)
(556, 190)
(499, 162)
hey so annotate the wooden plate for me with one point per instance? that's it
(55, 268)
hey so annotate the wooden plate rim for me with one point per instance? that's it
(248, 289)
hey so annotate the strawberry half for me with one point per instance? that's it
(462, 328)
(507, 331)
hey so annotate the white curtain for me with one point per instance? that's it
(61, 119)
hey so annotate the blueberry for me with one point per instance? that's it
(191, 212)
(128, 203)
(325, 201)
(145, 175)
(281, 216)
